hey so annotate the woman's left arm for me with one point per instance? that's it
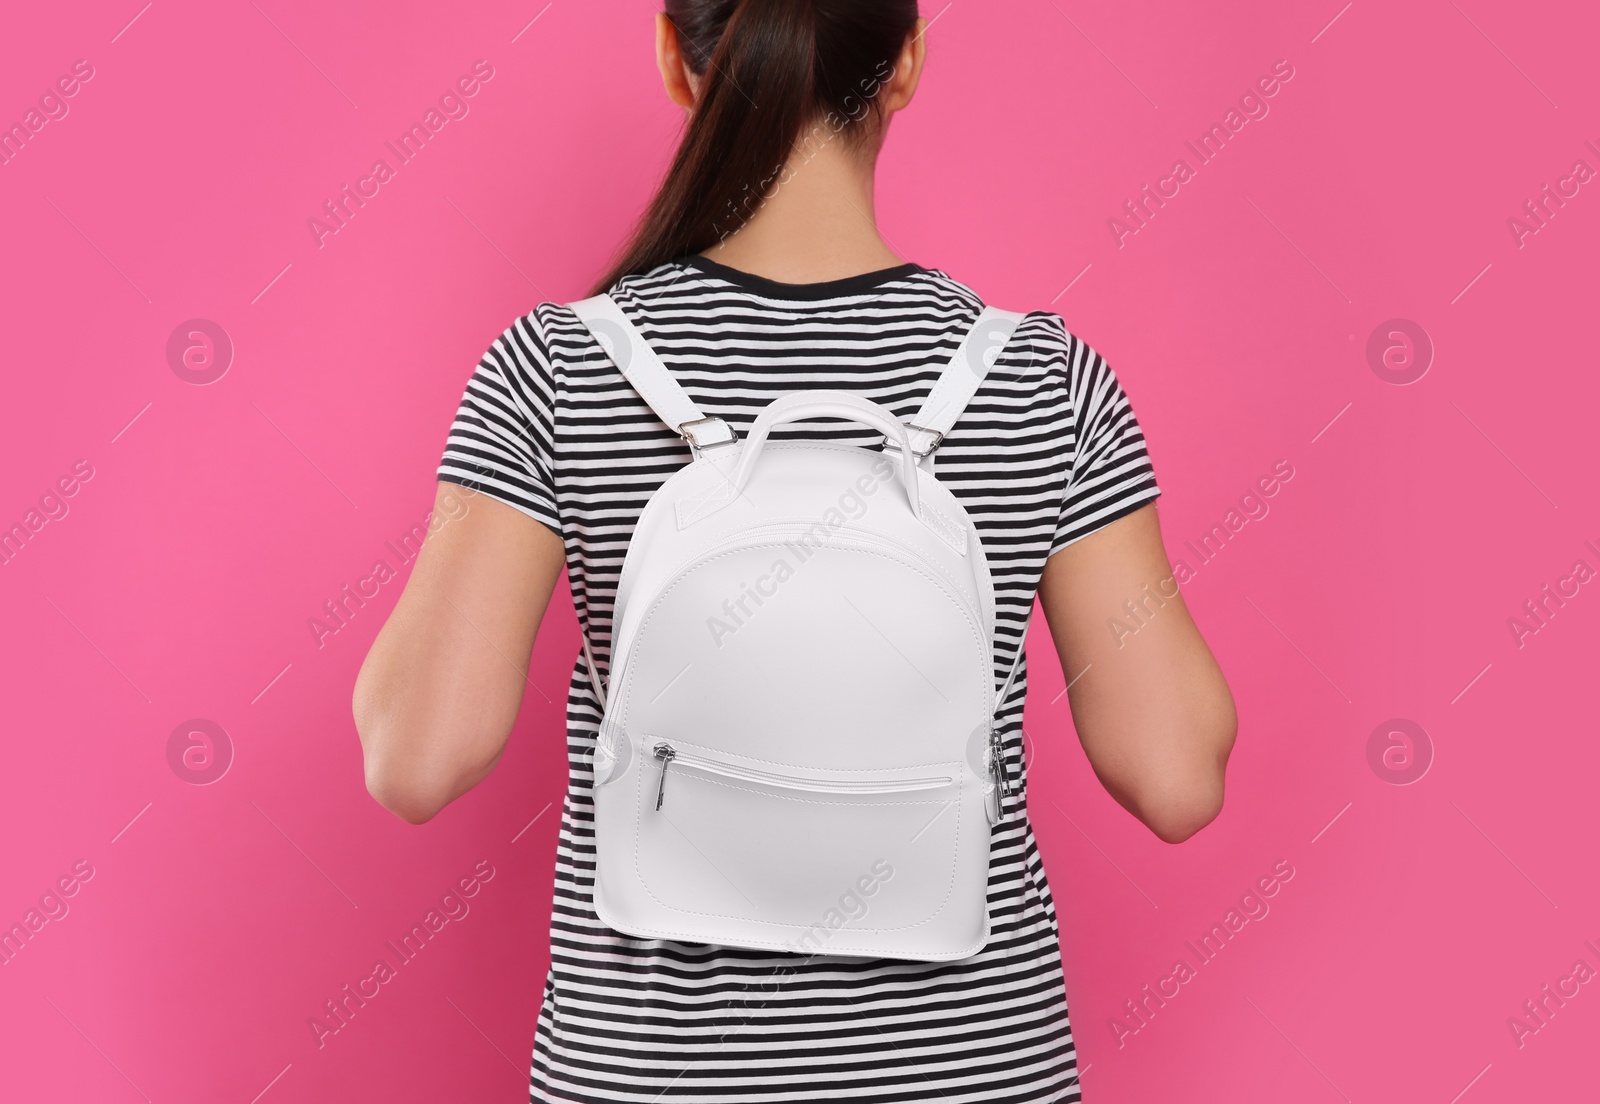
(1152, 709)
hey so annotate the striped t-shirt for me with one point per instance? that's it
(1047, 452)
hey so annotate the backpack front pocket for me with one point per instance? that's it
(820, 856)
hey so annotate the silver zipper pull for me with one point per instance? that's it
(997, 762)
(999, 776)
(666, 754)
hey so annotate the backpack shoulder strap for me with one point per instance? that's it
(645, 372)
(643, 369)
(961, 377)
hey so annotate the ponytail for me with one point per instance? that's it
(767, 69)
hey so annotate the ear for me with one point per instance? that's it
(675, 75)
(907, 70)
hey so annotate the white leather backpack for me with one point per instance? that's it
(798, 750)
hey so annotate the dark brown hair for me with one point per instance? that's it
(767, 70)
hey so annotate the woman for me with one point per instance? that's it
(757, 271)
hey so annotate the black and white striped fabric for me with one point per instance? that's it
(1048, 451)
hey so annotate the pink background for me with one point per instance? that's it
(220, 518)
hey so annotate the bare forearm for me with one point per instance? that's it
(430, 730)
(1158, 734)
(439, 692)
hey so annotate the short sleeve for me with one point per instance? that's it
(501, 442)
(1111, 475)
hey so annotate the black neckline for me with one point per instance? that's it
(777, 289)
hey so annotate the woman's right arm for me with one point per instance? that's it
(439, 691)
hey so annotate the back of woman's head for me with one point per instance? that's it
(772, 77)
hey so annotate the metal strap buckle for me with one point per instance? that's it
(924, 441)
(706, 433)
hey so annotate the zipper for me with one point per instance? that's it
(667, 755)
(998, 774)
